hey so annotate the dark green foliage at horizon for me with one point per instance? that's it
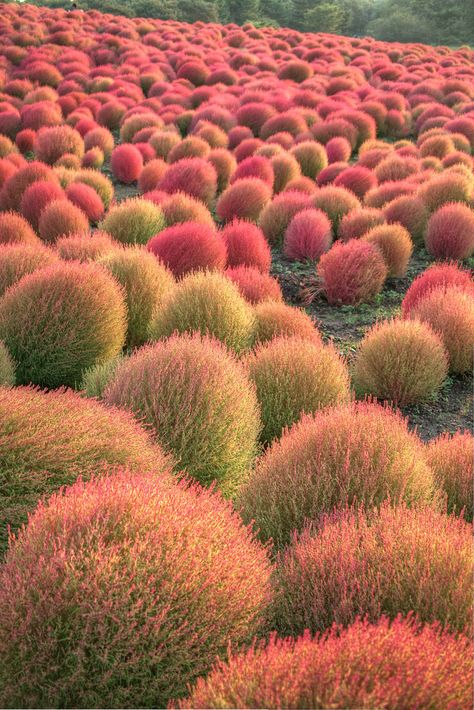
(446, 22)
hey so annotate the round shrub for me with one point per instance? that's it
(246, 245)
(253, 285)
(14, 229)
(451, 458)
(401, 361)
(189, 246)
(101, 138)
(286, 169)
(436, 276)
(59, 218)
(384, 665)
(198, 401)
(36, 197)
(224, 164)
(180, 207)
(255, 166)
(409, 211)
(402, 560)
(14, 188)
(351, 453)
(338, 149)
(190, 147)
(7, 367)
(86, 246)
(352, 272)
(276, 318)
(357, 222)
(17, 260)
(308, 236)
(141, 578)
(294, 376)
(133, 221)
(278, 213)
(450, 232)
(445, 188)
(39, 454)
(450, 312)
(145, 282)
(194, 176)
(329, 174)
(60, 320)
(311, 156)
(395, 243)
(87, 199)
(207, 302)
(243, 199)
(335, 202)
(357, 179)
(54, 141)
(126, 163)
(151, 175)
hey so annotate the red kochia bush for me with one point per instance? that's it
(255, 166)
(338, 149)
(356, 452)
(61, 217)
(142, 578)
(87, 199)
(386, 665)
(15, 186)
(15, 229)
(189, 246)
(277, 215)
(352, 273)
(357, 179)
(254, 285)
(393, 561)
(409, 211)
(436, 276)
(450, 232)
(194, 176)
(36, 197)
(151, 175)
(246, 245)
(244, 199)
(308, 236)
(126, 163)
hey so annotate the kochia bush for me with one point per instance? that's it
(14, 229)
(450, 232)
(199, 403)
(38, 454)
(17, 260)
(244, 199)
(60, 320)
(254, 286)
(275, 318)
(126, 163)
(189, 246)
(436, 276)
(335, 458)
(395, 243)
(60, 218)
(85, 246)
(381, 665)
(146, 578)
(352, 272)
(133, 221)
(451, 458)
(308, 236)
(294, 376)
(246, 245)
(393, 561)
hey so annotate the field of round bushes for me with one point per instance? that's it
(236, 357)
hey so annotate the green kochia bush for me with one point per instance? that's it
(133, 221)
(210, 303)
(48, 439)
(123, 590)
(60, 320)
(196, 397)
(146, 283)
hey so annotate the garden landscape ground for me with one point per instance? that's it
(236, 341)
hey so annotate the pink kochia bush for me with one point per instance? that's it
(87, 199)
(36, 197)
(451, 458)
(126, 163)
(395, 560)
(398, 664)
(436, 276)
(450, 232)
(194, 176)
(352, 453)
(189, 246)
(246, 245)
(142, 578)
(352, 273)
(253, 285)
(308, 236)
